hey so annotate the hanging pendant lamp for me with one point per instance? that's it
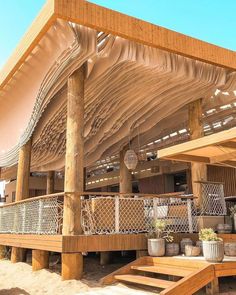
(130, 159)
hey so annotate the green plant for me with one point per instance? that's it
(232, 210)
(208, 234)
(158, 231)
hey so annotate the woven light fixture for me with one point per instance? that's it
(130, 159)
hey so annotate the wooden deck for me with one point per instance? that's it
(88, 243)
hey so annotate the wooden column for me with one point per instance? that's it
(40, 259)
(23, 172)
(22, 191)
(72, 264)
(50, 182)
(125, 175)
(198, 170)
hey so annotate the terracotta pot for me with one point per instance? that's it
(184, 242)
(172, 249)
(213, 251)
(192, 250)
(156, 247)
(230, 249)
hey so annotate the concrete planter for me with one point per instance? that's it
(213, 251)
(172, 249)
(184, 242)
(192, 250)
(230, 249)
(156, 247)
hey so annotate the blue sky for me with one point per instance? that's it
(213, 21)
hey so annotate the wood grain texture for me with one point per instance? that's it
(23, 172)
(39, 242)
(94, 243)
(198, 170)
(72, 266)
(50, 182)
(74, 160)
(40, 259)
(106, 20)
(191, 283)
(206, 149)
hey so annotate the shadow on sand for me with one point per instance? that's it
(13, 291)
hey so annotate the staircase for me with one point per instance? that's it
(170, 276)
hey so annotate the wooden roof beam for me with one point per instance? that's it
(118, 24)
(113, 22)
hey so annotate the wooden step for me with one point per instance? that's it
(141, 280)
(164, 269)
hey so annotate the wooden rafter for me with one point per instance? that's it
(213, 149)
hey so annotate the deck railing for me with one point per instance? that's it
(101, 213)
(114, 213)
(39, 215)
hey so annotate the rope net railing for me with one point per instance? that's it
(37, 216)
(116, 214)
(213, 199)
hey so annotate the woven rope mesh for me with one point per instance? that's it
(107, 215)
(41, 216)
(213, 201)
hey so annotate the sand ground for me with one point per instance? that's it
(18, 279)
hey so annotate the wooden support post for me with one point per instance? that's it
(18, 254)
(40, 259)
(72, 264)
(125, 175)
(50, 182)
(2, 252)
(22, 191)
(213, 287)
(105, 257)
(198, 170)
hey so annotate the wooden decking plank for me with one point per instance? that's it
(164, 269)
(141, 280)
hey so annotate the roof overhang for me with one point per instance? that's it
(109, 21)
(218, 148)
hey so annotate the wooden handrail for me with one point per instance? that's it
(34, 199)
(177, 195)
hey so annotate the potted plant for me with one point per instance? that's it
(213, 246)
(233, 215)
(157, 238)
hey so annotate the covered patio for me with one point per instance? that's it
(84, 86)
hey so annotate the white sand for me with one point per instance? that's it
(18, 279)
